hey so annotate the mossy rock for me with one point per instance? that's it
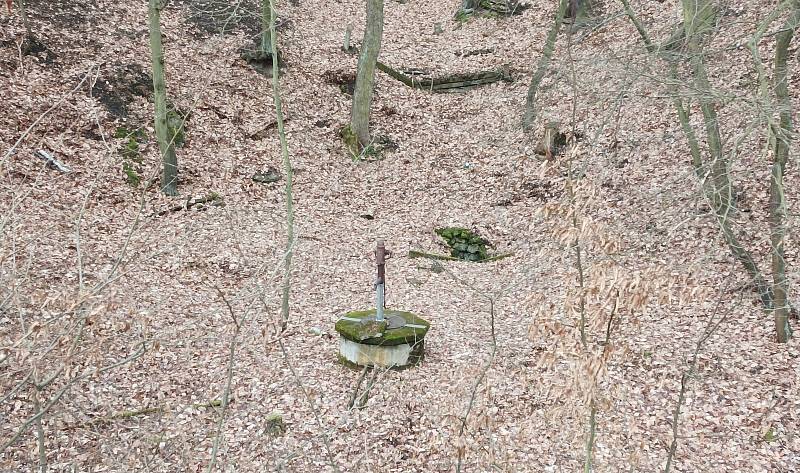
(267, 176)
(464, 244)
(368, 332)
(275, 426)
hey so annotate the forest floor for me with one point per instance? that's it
(189, 284)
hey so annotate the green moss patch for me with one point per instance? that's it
(275, 426)
(370, 332)
(176, 124)
(130, 153)
(464, 244)
(350, 140)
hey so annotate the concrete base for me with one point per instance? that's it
(365, 342)
(376, 355)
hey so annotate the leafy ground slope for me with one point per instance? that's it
(461, 160)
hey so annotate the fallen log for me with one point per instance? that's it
(449, 83)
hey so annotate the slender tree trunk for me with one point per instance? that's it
(587, 462)
(777, 203)
(686, 125)
(266, 28)
(23, 13)
(698, 20)
(287, 168)
(365, 79)
(169, 180)
(718, 187)
(541, 67)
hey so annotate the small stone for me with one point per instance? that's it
(268, 176)
(437, 28)
(316, 331)
(275, 425)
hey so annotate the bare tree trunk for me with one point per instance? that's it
(169, 180)
(777, 204)
(579, 10)
(287, 168)
(365, 79)
(542, 65)
(266, 29)
(698, 19)
(23, 13)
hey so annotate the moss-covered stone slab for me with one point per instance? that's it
(396, 342)
(358, 325)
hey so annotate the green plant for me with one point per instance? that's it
(350, 140)
(130, 153)
(462, 16)
(176, 125)
(464, 244)
(275, 425)
(131, 176)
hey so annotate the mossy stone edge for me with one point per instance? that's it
(410, 335)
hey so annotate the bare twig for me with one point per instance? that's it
(541, 67)
(228, 381)
(360, 380)
(711, 327)
(40, 433)
(364, 397)
(323, 434)
(60, 393)
(478, 382)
